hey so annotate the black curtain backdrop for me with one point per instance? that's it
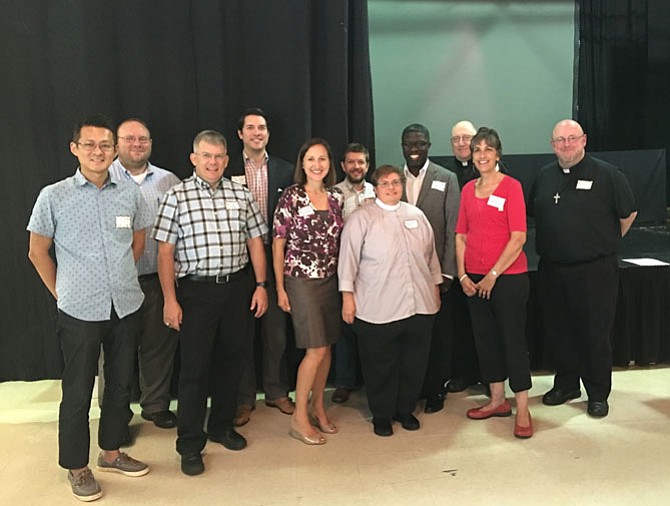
(182, 66)
(623, 74)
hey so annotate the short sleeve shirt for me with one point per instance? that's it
(156, 182)
(209, 227)
(92, 230)
(577, 214)
(312, 237)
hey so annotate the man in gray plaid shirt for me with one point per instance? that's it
(208, 229)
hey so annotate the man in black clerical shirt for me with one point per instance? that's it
(582, 208)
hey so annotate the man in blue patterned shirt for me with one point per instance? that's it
(96, 224)
(208, 229)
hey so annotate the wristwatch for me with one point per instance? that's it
(262, 284)
(494, 272)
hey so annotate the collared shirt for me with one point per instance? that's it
(154, 185)
(209, 227)
(577, 214)
(354, 198)
(388, 260)
(92, 230)
(257, 182)
(312, 237)
(413, 183)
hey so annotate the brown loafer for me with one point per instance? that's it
(243, 414)
(341, 395)
(283, 404)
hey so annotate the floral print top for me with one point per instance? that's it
(312, 237)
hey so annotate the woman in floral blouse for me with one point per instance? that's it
(307, 226)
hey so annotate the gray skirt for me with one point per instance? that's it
(315, 310)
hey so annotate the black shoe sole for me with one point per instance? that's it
(575, 394)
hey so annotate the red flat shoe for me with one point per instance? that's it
(524, 432)
(501, 411)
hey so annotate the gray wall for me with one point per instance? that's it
(506, 65)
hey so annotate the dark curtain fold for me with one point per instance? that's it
(182, 66)
(623, 73)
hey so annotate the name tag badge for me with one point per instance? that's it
(232, 205)
(239, 179)
(369, 192)
(305, 211)
(411, 224)
(439, 185)
(497, 202)
(123, 222)
(584, 185)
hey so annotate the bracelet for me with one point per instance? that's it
(462, 277)
(262, 284)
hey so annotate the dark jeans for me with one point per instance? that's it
(393, 360)
(214, 342)
(499, 324)
(80, 344)
(578, 307)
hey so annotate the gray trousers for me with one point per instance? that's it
(155, 352)
(272, 328)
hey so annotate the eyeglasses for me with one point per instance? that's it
(458, 138)
(130, 139)
(417, 144)
(90, 146)
(209, 156)
(389, 184)
(567, 140)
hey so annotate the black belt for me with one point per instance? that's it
(219, 279)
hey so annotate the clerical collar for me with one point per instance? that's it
(386, 206)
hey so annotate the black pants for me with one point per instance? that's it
(578, 307)
(452, 345)
(214, 342)
(499, 324)
(393, 361)
(80, 344)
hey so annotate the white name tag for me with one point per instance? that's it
(439, 185)
(305, 211)
(497, 202)
(239, 179)
(411, 224)
(232, 204)
(369, 192)
(123, 222)
(584, 185)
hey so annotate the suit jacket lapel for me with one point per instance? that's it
(427, 183)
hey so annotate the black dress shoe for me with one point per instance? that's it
(599, 409)
(434, 403)
(191, 464)
(557, 396)
(230, 439)
(408, 421)
(382, 427)
(341, 395)
(459, 384)
(161, 419)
